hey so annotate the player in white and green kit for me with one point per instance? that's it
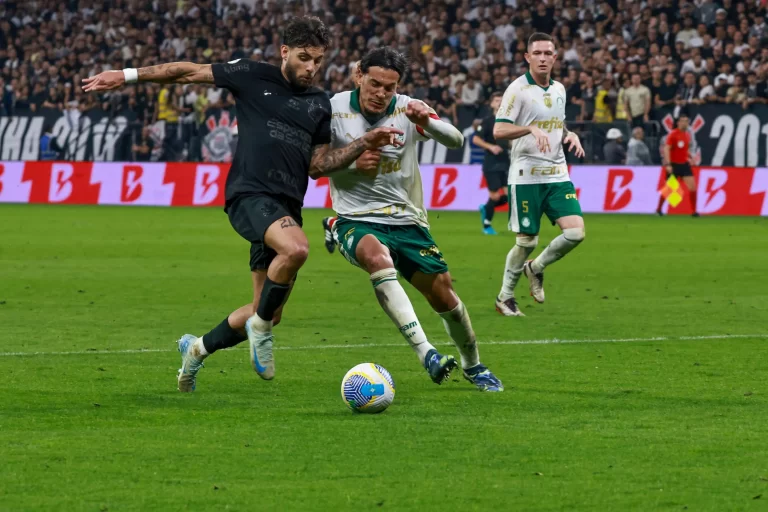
(532, 116)
(382, 224)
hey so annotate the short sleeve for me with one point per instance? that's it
(238, 74)
(486, 129)
(322, 133)
(510, 106)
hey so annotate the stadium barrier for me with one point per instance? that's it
(601, 189)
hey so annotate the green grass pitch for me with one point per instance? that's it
(657, 401)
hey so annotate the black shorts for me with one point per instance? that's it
(252, 215)
(496, 176)
(682, 170)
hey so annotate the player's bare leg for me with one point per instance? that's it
(506, 304)
(375, 259)
(572, 227)
(230, 332)
(290, 243)
(439, 292)
(690, 184)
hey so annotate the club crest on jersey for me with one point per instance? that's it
(400, 138)
(548, 101)
(525, 222)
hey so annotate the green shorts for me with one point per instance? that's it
(527, 203)
(412, 247)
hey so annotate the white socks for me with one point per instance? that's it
(516, 258)
(258, 324)
(558, 248)
(459, 328)
(397, 305)
(198, 350)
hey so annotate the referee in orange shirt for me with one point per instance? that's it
(678, 160)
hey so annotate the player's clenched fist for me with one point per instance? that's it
(104, 81)
(418, 113)
(383, 136)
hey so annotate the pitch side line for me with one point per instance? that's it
(553, 341)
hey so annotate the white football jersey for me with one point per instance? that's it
(526, 103)
(393, 193)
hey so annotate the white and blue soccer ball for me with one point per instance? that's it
(368, 388)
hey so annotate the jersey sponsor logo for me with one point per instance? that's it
(397, 112)
(344, 115)
(548, 171)
(510, 105)
(550, 124)
(283, 177)
(234, 67)
(296, 137)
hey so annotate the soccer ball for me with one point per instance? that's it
(368, 388)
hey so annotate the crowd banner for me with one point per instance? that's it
(600, 189)
(96, 135)
(726, 135)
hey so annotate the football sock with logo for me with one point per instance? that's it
(459, 328)
(272, 297)
(221, 336)
(558, 248)
(516, 258)
(397, 305)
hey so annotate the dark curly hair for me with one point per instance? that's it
(307, 31)
(384, 57)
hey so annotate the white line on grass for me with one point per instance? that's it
(553, 341)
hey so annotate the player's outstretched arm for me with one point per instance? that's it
(326, 160)
(172, 73)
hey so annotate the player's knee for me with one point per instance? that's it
(495, 195)
(575, 235)
(298, 254)
(527, 241)
(277, 317)
(377, 261)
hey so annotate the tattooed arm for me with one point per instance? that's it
(177, 73)
(326, 160)
(173, 73)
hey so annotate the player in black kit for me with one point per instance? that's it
(495, 165)
(284, 128)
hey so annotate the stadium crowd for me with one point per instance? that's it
(618, 58)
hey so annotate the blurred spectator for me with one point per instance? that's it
(613, 151)
(142, 148)
(638, 101)
(462, 52)
(637, 151)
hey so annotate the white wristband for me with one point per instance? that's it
(131, 75)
